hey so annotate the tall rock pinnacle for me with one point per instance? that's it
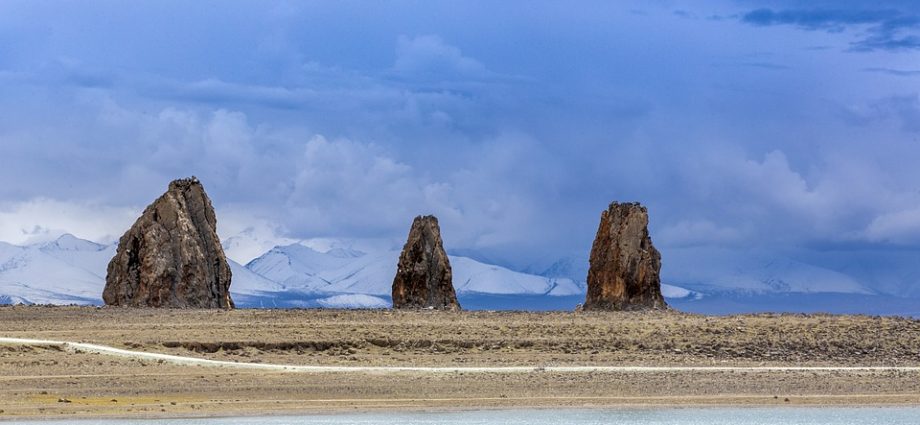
(423, 276)
(171, 256)
(624, 266)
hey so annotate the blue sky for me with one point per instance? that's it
(786, 127)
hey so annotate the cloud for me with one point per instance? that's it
(732, 198)
(819, 19)
(907, 109)
(430, 57)
(246, 237)
(344, 187)
(747, 191)
(896, 72)
(42, 219)
(885, 29)
(214, 91)
(516, 125)
(688, 233)
(887, 40)
(904, 109)
(307, 185)
(761, 65)
(898, 227)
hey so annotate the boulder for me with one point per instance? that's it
(624, 265)
(171, 256)
(423, 275)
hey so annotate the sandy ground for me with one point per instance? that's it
(727, 356)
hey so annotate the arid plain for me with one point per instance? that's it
(52, 381)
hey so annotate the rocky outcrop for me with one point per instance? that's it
(624, 266)
(423, 275)
(171, 256)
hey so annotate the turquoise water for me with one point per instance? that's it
(688, 416)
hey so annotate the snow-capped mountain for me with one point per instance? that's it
(295, 266)
(70, 270)
(66, 271)
(574, 267)
(721, 281)
(80, 253)
(348, 274)
(746, 272)
(250, 243)
(340, 271)
(246, 282)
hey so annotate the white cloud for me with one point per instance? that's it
(429, 55)
(506, 163)
(42, 219)
(699, 232)
(346, 186)
(899, 227)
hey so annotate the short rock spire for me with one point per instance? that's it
(624, 265)
(423, 275)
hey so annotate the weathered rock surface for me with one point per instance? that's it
(423, 275)
(624, 266)
(171, 256)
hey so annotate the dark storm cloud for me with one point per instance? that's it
(516, 123)
(820, 19)
(885, 29)
(897, 72)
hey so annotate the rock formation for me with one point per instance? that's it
(624, 266)
(423, 276)
(171, 256)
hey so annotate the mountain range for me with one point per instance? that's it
(358, 274)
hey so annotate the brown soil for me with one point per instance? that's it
(39, 381)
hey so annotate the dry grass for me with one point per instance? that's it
(384, 337)
(34, 379)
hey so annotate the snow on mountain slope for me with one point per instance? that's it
(245, 282)
(80, 253)
(676, 292)
(369, 274)
(337, 273)
(12, 299)
(574, 267)
(34, 294)
(72, 270)
(726, 270)
(721, 270)
(295, 266)
(352, 245)
(252, 242)
(8, 250)
(566, 287)
(343, 271)
(471, 276)
(568, 273)
(66, 271)
(353, 301)
(894, 272)
(68, 242)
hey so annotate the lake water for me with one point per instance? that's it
(669, 416)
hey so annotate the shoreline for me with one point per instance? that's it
(801, 402)
(812, 402)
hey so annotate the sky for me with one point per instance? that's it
(784, 127)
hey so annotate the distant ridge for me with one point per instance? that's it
(72, 271)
